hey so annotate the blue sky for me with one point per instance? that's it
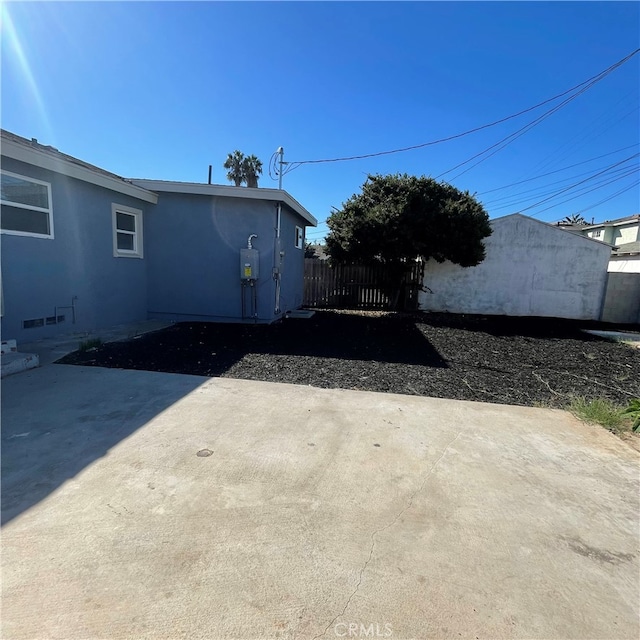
(161, 90)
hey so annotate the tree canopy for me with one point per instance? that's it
(243, 169)
(398, 218)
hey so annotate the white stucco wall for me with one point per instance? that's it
(531, 269)
(625, 264)
(625, 233)
(618, 234)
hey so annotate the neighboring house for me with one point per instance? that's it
(614, 232)
(625, 258)
(622, 302)
(320, 251)
(531, 269)
(84, 249)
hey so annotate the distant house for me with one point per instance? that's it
(625, 258)
(319, 251)
(84, 249)
(615, 232)
(531, 269)
(622, 302)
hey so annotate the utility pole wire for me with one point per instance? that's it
(501, 144)
(543, 175)
(589, 82)
(533, 206)
(579, 193)
(546, 189)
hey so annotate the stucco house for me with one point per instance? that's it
(531, 268)
(622, 300)
(625, 258)
(85, 249)
(615, 232)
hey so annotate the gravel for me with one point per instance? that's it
(522, 361)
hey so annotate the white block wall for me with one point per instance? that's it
(531, 269)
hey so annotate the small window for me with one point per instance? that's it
(33, 324)
(26, 206)
(299, 237)
(597, 233)
(127, 232)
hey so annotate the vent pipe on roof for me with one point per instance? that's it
(209, 175)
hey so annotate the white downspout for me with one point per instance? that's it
(277, 258)
(277, 270)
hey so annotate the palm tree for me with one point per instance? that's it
(574, 218)
(252, 169)
(235, 165)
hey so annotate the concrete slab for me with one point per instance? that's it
(628, 337)
(16, 362)
(309, 513)
(49, 350)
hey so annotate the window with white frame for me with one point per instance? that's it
(299, 237)
(26, 206)
(596, 233)
(127, 232)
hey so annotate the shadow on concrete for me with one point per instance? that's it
(212, 349)
(58, 420)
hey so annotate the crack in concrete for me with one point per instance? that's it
(381, 529)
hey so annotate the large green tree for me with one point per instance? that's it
(399, 218)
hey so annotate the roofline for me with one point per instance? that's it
(227, 191)
(552, 226)
(613, 223)
(23, 152)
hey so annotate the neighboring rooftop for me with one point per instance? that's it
(610, 223)
(629, 248)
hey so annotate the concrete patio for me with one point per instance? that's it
(151, 505)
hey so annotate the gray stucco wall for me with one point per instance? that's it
(530, 269)
(193, 247)
(622, 302)
(39, 274)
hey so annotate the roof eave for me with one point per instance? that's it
(44, 160)
(197, 188)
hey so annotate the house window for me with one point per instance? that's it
(26, 206)
(127, 232)
(597, 233)
(299, 237)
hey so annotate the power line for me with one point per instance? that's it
(571, 166)
(582, 191)
(553, 206)
(617, 193)
(515, 198)
(535, 205)
(501, 144)
(585, 133)
(593, 79)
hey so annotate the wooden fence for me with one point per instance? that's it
(356, 286)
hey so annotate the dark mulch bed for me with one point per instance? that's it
(493, 359)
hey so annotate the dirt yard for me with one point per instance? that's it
(505, 360)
